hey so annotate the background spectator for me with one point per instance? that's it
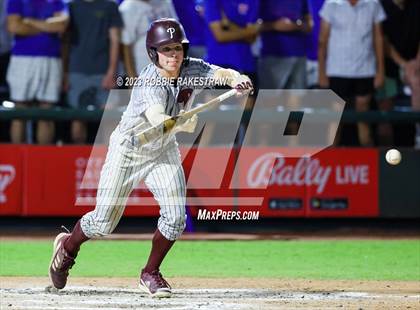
(402, 38)
(286, 24)
(312, 44)
(163, 8)
(137, 16)
(191, 16)
(35, 71)
(283, 53)
(351, 53)
(5, 46)
(231, 29)
(93, 53)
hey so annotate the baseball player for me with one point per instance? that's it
(157, 163)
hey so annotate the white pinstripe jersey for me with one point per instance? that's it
(171, 97)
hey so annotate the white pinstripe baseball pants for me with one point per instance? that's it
(125, 166)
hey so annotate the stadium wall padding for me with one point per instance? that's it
(337, 182)
(399, 194)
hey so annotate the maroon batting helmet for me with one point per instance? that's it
(165, 31)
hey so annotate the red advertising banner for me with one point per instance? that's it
(334, 182)
(52, 179)
(46, 181)
(350, 187)
(55, 175)
(265, 172)
(10, 180)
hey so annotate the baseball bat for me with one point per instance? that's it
(155, 132)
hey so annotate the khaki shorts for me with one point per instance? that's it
(34, 78)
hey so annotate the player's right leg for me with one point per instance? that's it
(122, 170)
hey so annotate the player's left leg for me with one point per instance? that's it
(167, 182)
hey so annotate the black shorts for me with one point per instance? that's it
(349, 88)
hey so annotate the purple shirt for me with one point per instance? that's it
(236, 55)
(274, 43)
(42, 44)
(312, 39)
(190, 18)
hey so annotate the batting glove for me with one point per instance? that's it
(187, 125)
(243, 84)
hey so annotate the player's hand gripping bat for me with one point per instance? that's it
(165, 127)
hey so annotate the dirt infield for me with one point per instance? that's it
(210, 293)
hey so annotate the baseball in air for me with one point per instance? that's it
(393, 157)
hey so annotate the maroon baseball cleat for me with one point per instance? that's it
(61, 262)
(154, 284)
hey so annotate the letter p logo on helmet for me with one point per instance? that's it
(171, 31)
